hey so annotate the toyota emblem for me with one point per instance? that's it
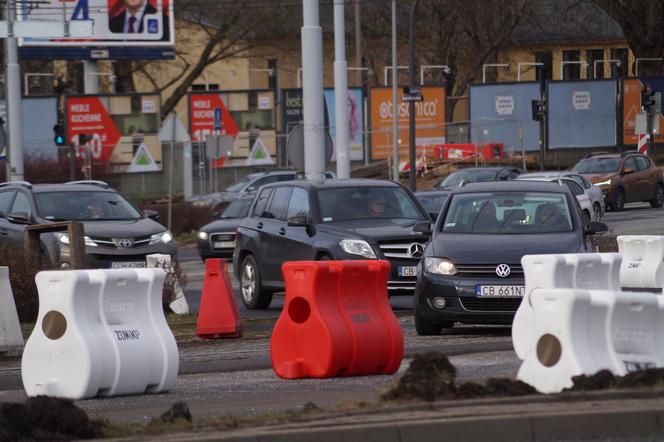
(416, 250)
(503, 270)
(125, 243)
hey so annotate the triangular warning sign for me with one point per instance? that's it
(259, 155)
(143, 161)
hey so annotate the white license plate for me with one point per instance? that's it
(129, 265)
(499, 291)
(223, 244)
(407, 271)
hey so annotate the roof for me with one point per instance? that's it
(480, 169)
(336, 183)
(550, 174)
(512, 186)
(42, 188)
(433, 191)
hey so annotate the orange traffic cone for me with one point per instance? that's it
(218, 316)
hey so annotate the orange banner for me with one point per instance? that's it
(429, 120)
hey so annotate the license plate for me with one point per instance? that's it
(499, 291)
(129, 265)
(223, 244)
(407, 271)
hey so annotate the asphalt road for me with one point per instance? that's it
(636, 219)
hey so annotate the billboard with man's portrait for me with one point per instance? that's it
(115, 22)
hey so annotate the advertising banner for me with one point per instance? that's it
(429, 118)
(115, 22)
(246, 115)
(632, 106)
(119, 128)
(502, 113)
(582, 114)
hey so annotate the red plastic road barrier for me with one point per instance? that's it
(336, 321)
(218, 316)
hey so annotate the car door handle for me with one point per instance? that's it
(260, 224)
(282, 231)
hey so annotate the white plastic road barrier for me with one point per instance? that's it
(11, 339)
(100, 333)
(179, 305)
(596, 271)
(583, 331)
(643, 261)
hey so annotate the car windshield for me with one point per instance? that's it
(469, 176)
(85, 206)
(343, 204)
(597, 165)
(508, 212)
(237, 209)
(240, 185)
(433, 201)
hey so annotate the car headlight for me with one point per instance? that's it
(202, 235)
(606, 183)
(64, 239)
(439, 266)
(358, 247)
(164, 237)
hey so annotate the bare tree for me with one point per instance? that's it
(641, 22)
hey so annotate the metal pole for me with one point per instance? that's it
(395, 105)
(170, 176)
(411, 104)
(312, 65)
(71, 153)
(341, 91)
(358, 40)
(13, 96)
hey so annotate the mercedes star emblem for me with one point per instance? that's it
(416, 250)
(503, 270)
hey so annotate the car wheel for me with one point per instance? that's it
(424, 327)
(254, 296)
(618, 202)
(658, 201)
(597, 212)
(585, 217)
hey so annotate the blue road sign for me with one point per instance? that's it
(218, 123)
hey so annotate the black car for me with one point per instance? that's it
(471, 271)
(331, 219)
(480, 175)
(433, 200)
(117, 234)
(217, 239)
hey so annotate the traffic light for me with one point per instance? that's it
(59, 135)
(647, 98)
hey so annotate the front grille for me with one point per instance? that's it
(401, 285)
(487, 270)
(123, 258)
(400, 250)
(490, 304)
(223, 236)
(114, 243)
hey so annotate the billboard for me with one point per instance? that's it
(292, 116)
(123, 130)
(582, 114)
(248, 116)
(37, 137)
(124, 23)
(429, 118)
(632, 106)
(502, 113)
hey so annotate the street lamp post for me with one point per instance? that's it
(411, 104)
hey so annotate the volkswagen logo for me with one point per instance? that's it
(125, 243)
(416, 250)
(503, 270)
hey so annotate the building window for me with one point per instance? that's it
(620, 55)
(595, 70)
(546, 58)
(202, 87)
(571, 71)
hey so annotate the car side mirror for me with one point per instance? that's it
(595, 227)
(434, 216)
(297, 221)
(152, 214)
(250, 189)
(628, 170)
(18, 218)
(424, 227)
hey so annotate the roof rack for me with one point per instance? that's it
(17, 183)
(628, 152)
(97, 183)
